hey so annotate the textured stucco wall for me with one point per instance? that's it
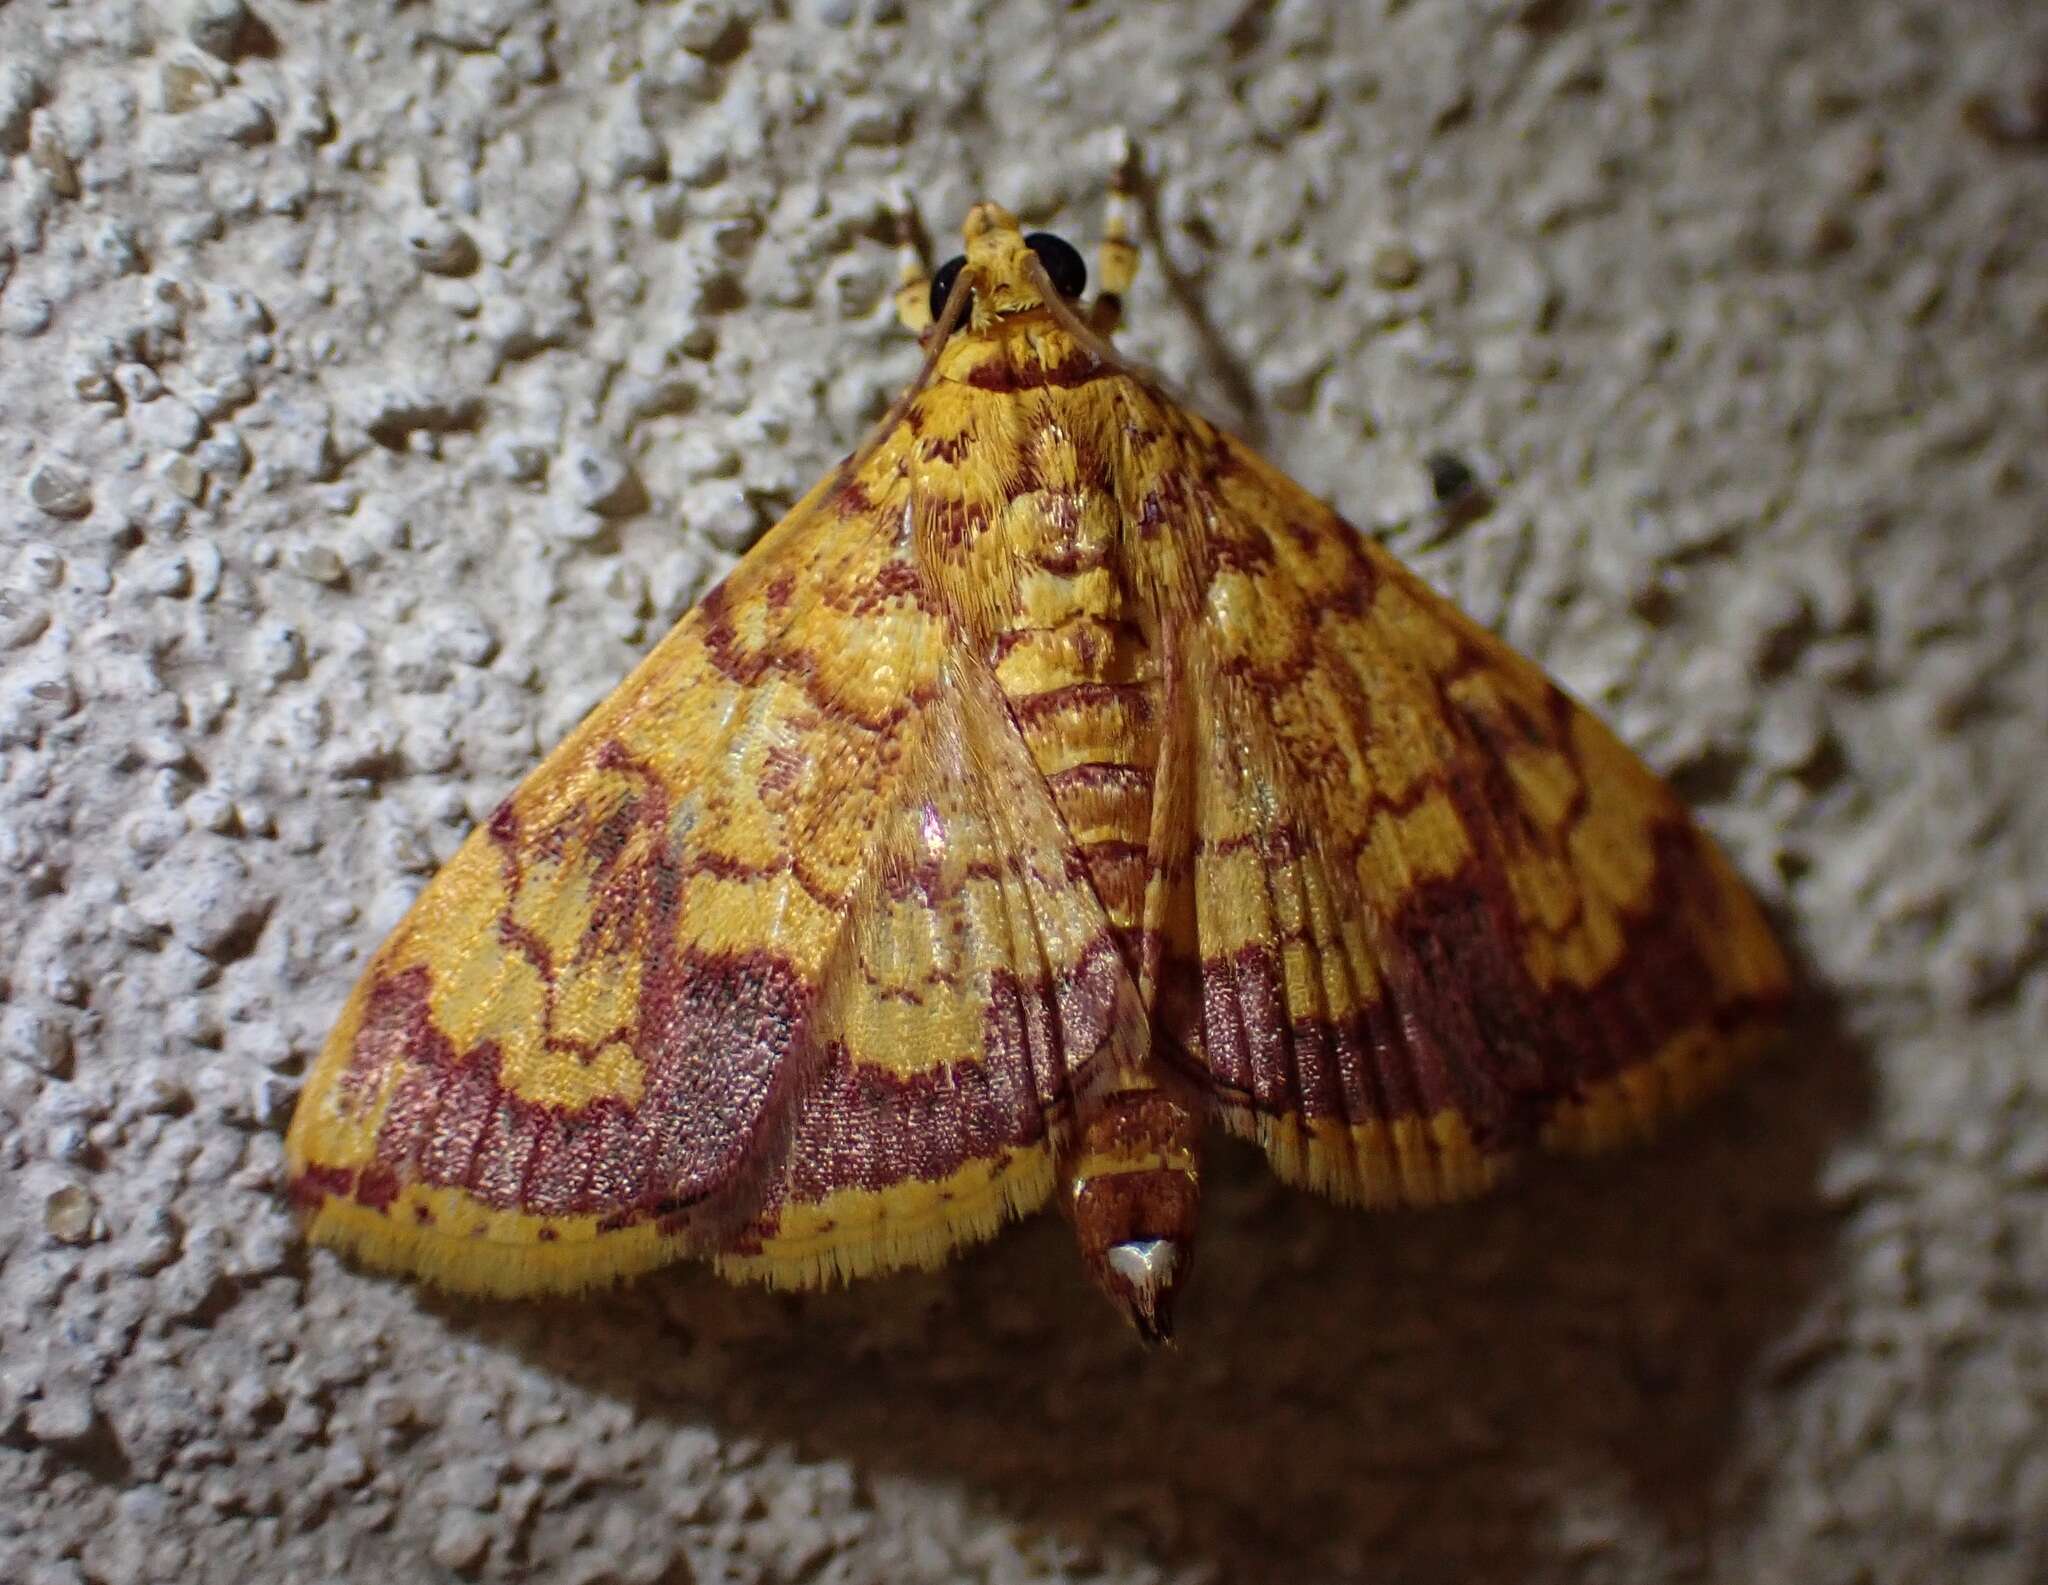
(378, 379)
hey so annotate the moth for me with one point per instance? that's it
(1058, 781)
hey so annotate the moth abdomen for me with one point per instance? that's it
(1134, 1192)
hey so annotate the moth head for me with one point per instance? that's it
(1007, 271)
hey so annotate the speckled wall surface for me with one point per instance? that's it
(378, 380)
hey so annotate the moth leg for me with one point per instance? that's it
(914, 277)
(1117, 260)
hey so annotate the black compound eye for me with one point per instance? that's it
(1063, 266)
(942, 286)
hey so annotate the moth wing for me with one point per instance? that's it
(581, 1052)
(979, 981)
(1438, 912)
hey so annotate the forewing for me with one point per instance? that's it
(979, 983)
(583, 1051)
(1437, 911)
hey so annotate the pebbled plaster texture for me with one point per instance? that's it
(378, 379)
